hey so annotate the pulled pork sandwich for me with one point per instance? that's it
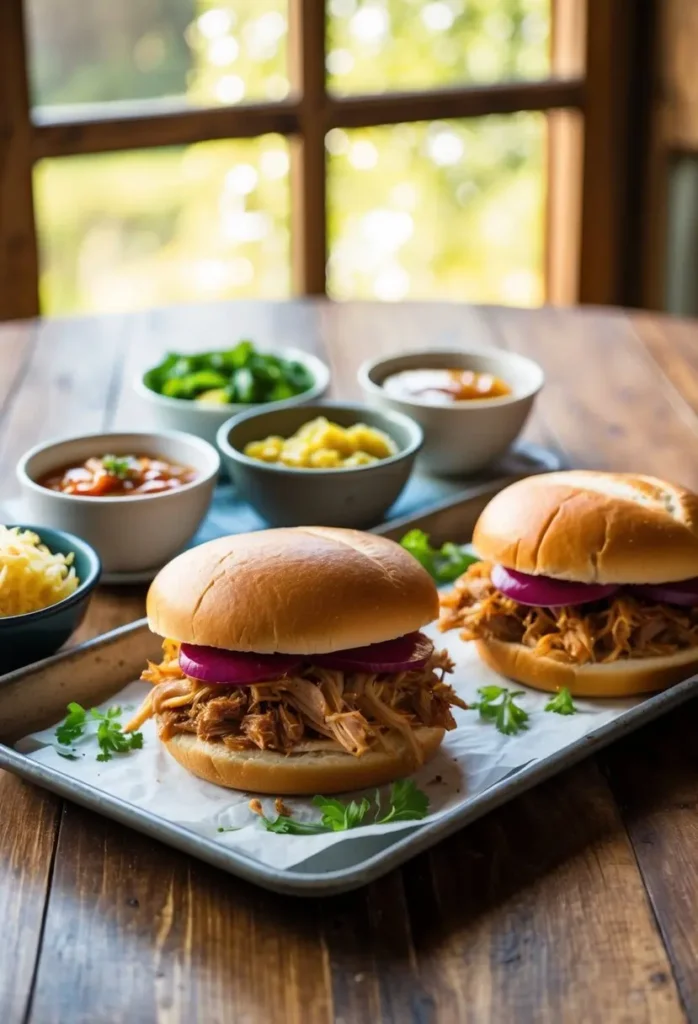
(294, 663)
(590, 581)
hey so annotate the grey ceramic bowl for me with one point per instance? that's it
(36, 635)
(357, 497)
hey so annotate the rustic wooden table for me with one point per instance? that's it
(574, 903)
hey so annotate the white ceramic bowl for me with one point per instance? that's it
(131, 534)
(205, 420)
(463, 437)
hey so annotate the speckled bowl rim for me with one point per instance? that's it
(85, 586)
(389, 416)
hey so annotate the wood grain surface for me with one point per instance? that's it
(576, 902)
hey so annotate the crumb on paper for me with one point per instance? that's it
(256, 807)
(281, 808)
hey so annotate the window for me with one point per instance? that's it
(169, 150)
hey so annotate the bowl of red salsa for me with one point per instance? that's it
(137, 498)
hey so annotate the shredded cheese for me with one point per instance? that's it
(31, 577)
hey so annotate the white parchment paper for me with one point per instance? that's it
(473, 757)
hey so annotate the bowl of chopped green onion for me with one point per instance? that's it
(197, 392)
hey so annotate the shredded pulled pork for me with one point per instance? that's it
(316, 709)
(619, 627)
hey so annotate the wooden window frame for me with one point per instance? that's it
(593, 75)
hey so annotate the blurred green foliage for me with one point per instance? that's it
(448, 209)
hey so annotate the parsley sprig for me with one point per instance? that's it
(118, 467)
(562, 703)
(497, 704)
(108, 731)
(406, 803)
(444, 564)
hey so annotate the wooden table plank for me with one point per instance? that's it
(673, 344)
(653, 775)
(16, 343)
(537, 913)
(604, 400)
(136, 932)
(66, 389)
(55, 378)
(28, 824)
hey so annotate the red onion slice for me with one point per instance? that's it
(405, 654)
(545, 592)
(234, 668)
(683, 592)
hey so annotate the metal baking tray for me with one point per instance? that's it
(35, 697)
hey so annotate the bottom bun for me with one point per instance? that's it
(310, 772)
(626, 677)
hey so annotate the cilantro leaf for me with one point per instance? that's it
(337, 817)
(110, 737)
(511, 718)
(118, 467)
(288, 826)
(73, 726)
(492, 692)
(407, 803)
(444, 564)
(498, 705)
(562, 703)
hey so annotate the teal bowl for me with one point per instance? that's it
(36, 635)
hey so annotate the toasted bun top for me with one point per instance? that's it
(593, 527)
(306, 590)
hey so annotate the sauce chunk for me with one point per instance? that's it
(445, 386)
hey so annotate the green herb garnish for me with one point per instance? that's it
(444, 564)
(562, 703)
(241, 375)
(108, 732)
(498, 705)
(288, 827)
(73, 726)
(406, 803)
(118, 467)
(338, 817)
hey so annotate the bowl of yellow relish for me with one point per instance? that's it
(329, 464)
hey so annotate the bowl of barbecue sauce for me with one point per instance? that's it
(471, 404)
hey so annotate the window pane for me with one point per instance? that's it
(150, 227)
(374, 45)
(201, 51)
(447, 209)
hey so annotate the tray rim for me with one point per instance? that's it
(303, 883)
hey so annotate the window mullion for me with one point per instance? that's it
(19, 292)
(308, 165)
